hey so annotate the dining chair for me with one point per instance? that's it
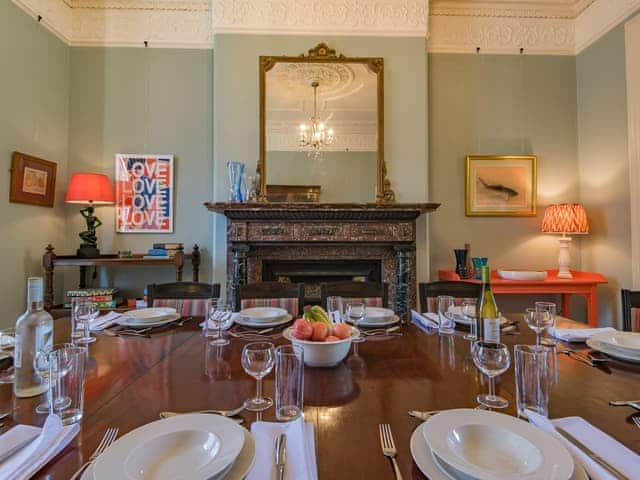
(289, 296)
(191, 298)
(460, 291)
(372, 294)
(630, 310)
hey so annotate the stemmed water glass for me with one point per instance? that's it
(551, 308)
(356, 312)
(492, 359)
(219, 315)
(51, 363)
(84, 312)
(538, 321)
(257, 360)
(469, 313)
(446, 322)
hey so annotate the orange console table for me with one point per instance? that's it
(582, 283)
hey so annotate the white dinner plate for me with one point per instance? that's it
(462, 320)
(263, 314)
(378, 315)
(626, 342)
(425, 462)
(127, 322)
(154, 314)
(364, 323)
(490, 446)
(200, 445)
(238, 470)
(596, 344)
(244, 321)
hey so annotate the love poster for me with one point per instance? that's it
(144, 193)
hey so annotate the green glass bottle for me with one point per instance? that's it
(488, 318)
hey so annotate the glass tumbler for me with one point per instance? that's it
(534, 377)
(356, 313)
(67, 375)
(447, 324)
(289, 382)
(7, 346)
(335, 309)
(470, 312)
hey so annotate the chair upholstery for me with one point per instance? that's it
(289, 296)
(190, 298)
(630, 310)
(460, 291)
(372, 294)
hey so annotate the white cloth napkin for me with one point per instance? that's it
(301, 451)
(425, 321)
(608, 448)
(578, 334)
(105, 321)
(53, 437)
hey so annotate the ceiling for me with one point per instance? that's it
(515, 8)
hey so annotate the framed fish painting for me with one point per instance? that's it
(501, 186)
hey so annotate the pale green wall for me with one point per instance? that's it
(342, 176)
(34, 113)
(604, 166)
(236, 96)
(131, 100)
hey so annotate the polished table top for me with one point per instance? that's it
(130, 380)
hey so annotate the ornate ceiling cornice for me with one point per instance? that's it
(515, 9)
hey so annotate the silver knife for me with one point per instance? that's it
(281, 455)
(592, 455)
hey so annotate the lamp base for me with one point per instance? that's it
(87, 252)
(564, 258)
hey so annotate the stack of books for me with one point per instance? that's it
(104, 297)
(163, 251)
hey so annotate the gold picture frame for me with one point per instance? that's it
(500, 186)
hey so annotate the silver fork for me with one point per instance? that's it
(389, 447)
(636, 420)
(108, 438)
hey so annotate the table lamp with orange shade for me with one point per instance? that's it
(566, 219)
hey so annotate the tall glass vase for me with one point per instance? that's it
(236, 173)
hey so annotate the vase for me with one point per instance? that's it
(236, 174)
(478, 263)
(461, 262)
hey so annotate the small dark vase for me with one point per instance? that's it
(461, 262)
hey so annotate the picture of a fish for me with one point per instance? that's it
(499, 188)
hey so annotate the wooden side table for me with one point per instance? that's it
(582, 283)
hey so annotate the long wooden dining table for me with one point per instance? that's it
(130, 380)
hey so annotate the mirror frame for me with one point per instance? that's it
(323, 54)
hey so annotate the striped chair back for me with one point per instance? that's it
(189, 307)
(291, 305)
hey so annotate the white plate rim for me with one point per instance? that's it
(278, 313)
(161, 312)
(459, 319)
(552, 450)
(596, 344)
(605, 337)
(122, 321)
(240, 320)
(231, 442)
(364, 323)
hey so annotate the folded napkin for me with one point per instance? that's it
(53, 437)
(578, 334)
(301, 450)
(425, 322)
(104, 321)
(616, 454)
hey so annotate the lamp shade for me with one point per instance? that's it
(90, 188)
(565, 218)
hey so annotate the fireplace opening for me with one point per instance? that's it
(314, 272)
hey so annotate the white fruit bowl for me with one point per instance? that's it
(522, 274)
(322, 354)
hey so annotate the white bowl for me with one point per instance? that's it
(522, 274)
(323, 354)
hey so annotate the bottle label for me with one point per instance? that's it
(34, 290)
(492, 330)
(17, 353)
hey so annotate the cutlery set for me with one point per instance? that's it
(119, 331)
(109, 437)
(585, 357)
(389, 448)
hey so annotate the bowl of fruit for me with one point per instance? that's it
(325, 344)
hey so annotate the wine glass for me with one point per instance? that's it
(356, 312)
(257, 361)
(219, 315)
(446, 322)
(469, 312)
(492, 359)
(538, 321)
(551, 308)
(85, 312)
(52, 364)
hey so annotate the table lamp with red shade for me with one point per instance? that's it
(565, 218)
(92, 189)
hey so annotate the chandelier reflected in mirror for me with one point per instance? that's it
(315, 135)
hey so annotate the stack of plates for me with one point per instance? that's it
(470, 444)
(620, 345)
(458, 317)
(189, 447)
(263, 317)
(378, 317)
(148, 317)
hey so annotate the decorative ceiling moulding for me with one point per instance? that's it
(55, 15)
(513, 8)
(601, 17)
(141, 4)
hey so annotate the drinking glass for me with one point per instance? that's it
(289, 382)
(257, 361)
(469, 312)
(356, 312)
(538, 321)
(67, 368)
(42, 366)
(219, 315)
(334, 307)
(552, 309)
(492, 359)
(7, 346)
(534, 376)
(447, 324)
(83, 312)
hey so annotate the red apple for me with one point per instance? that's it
(342, 330)
(332, 338)
(302, 329)
(320, 331)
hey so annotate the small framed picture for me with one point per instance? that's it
(33, 180)
(501, 186)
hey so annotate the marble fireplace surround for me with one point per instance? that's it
(324, 232)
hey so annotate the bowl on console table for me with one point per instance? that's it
(522, 274)
(322, 354)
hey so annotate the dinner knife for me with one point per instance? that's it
(591, 454)
(281, 455)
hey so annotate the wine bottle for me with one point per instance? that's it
(488, 318)
(34, 331)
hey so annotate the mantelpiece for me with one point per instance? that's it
(263, 237)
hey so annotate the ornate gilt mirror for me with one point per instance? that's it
(322, 129)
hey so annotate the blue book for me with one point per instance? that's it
(157, 252)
